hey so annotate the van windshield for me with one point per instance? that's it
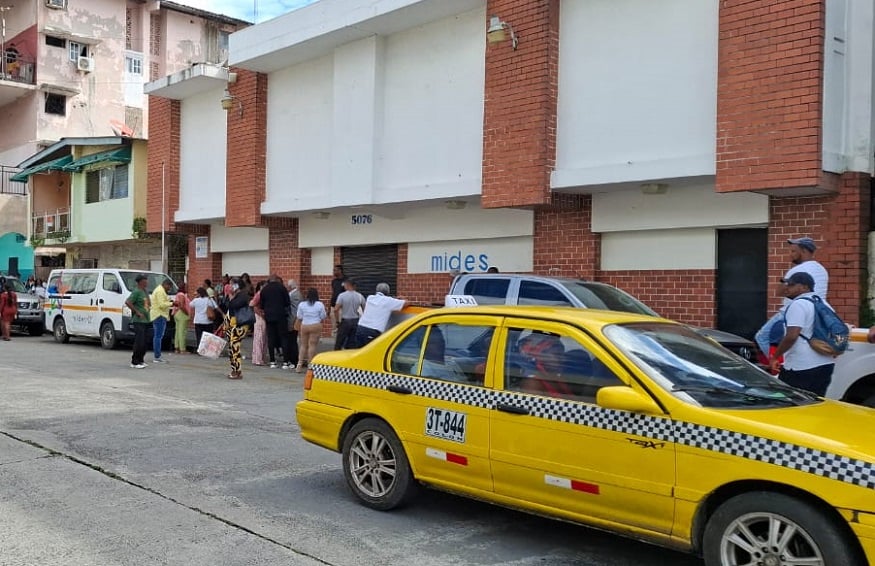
(155, 279)
(607, 297)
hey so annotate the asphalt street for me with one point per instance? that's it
(101, 464)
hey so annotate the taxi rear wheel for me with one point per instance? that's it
(375, 465)
(773, 529)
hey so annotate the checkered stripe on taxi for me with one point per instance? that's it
(792, 456)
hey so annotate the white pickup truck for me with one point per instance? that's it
(854, 377)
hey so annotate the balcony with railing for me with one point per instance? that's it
(51, 227)
(8, 187)
(17, 78)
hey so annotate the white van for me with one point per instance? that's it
(90, 303)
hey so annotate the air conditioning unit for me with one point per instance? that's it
(85, 64)
(57, 4)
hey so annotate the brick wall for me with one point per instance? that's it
(285, 256)
(839, 224)
(519, 122)
(424, 289)
(564, 245)
(247, 142)
(164, 115)
(769, 89)
(685, 295)
(200, 269)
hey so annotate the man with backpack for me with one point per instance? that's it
(804, 366)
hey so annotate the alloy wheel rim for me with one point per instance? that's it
(372, 464)
(768, 539)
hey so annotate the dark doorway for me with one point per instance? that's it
(13, 267)
(742, 280)
(369, 265)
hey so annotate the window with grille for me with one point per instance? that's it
(106, 184)
(56, 104)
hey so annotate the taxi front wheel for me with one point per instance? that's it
(773, 529)
(375, 465)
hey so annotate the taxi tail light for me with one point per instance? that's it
(308, 380)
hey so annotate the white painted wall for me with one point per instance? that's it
(202, 157)
(680, 207)
(383, 119)
(660, 249)
(322, 261)
(421, 224)
(238, 239)
(474, 256)
(253, 263)
(637, 91)
(299, 135)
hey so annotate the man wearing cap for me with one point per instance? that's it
(802, 256)
(138, 302)
(804, 367)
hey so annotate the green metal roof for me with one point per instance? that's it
(119, 155)
(53, 165)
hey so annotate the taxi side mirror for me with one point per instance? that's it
(624, 398)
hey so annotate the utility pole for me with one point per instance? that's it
(3, 10)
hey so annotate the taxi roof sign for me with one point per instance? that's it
(460, 301)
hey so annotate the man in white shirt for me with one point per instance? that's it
(803, 367)
(378, 309)
(802, 256)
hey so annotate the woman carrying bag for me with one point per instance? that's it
(238, 318)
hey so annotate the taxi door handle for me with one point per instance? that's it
(512, 409)
(399, 389)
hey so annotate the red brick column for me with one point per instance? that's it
(839, 224)
(247, 142)
(564, 245)
(285, 255)
(519, 120)
(769, 94)
(200, 269)
(164, 118)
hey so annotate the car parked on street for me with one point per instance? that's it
(30, 317)
(518, 289)
(624, 422)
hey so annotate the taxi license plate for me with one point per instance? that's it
(448, 425)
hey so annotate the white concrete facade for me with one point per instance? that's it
(202, 157)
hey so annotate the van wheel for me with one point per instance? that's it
(108, 339)
(59, 330)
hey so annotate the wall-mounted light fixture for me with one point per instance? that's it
(456, 204)
(497, 32)
(654, 188)
(228, 101)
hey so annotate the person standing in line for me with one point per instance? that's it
(378, 308)
(208, 287)
(291, 349)
(802, 257)
(804, 367)
(347, 311)
(181, 315)
(200, 306)
(235, 333)
(337, 284)
(160, 313)
(259, 332)
(275, 304)
(311, 313)
(8, 310)
(246, 284)
(138, 302)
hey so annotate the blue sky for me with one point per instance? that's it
(246, 9)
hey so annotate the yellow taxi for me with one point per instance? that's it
(628, 423)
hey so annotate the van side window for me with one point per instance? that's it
(542, 294)
(488, 290)
(111, 283)
(83, 283)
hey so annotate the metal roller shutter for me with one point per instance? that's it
(369, 265)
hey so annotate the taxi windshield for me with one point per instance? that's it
(696, 369)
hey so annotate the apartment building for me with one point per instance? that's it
(74, 70)
(670, 148)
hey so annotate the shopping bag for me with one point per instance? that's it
(211, 346)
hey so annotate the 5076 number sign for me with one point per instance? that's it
(448, 425)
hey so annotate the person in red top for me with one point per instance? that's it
(8, 310)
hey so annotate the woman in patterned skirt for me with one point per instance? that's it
(239, 300)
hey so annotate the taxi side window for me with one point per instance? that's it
(111, 283)
(448, 352)
(555, 365)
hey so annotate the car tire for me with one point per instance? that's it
(868, 401)
(59, 331)
(739, 532)
(376, 467)
(108, 338)
(36, 329)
